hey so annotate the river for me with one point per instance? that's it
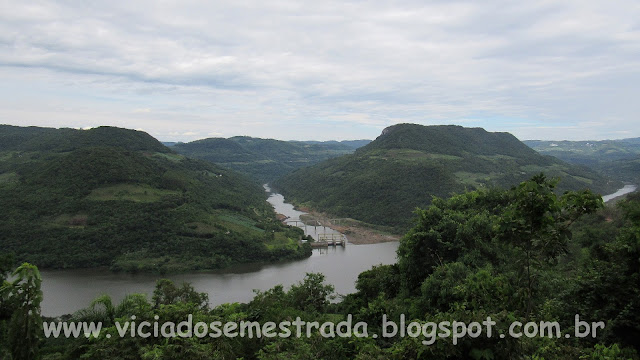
(624, 191)
(66, 291)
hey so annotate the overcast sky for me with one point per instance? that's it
(323, 69)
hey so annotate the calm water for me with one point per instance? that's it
(67, 291)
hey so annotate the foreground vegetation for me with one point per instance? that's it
(384, 181)
(524, 254)
(118, 198)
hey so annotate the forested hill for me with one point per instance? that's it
(619, 159)
(15, 138)
(116, 197)
(265, 159)
(383, 182)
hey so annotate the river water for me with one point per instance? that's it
(66, 291)
(625, 190)
(293, 216)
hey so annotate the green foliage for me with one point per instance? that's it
(166, 293)
(406, 166)
(606, 283)
(536, 223)
(380, 279)
(23, 296)
(613, 352)
(521, 262)
(312, 295)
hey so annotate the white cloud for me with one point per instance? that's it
(282, 69)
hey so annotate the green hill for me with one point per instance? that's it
(619, 159)
(265, 159)
(117, 197)
(384, 181)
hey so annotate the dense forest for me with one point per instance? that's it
(524, 254)
(619, 159)
(384, 181)
(119, 198)
(265, 159)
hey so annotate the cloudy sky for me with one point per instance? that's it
(323, 69)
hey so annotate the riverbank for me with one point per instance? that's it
(357, 232)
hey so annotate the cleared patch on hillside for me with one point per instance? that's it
(413, 155)
(71, 221)
(130, 192)
(474, 180)
(237, 222)
(170, 156)
(279, 240)
(9, 178)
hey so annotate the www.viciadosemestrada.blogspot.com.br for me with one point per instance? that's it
(430, 331)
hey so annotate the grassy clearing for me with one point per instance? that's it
(169, 156)
(9, 178)
(412, 155)
(474, 180)
(130, 192)
(280, 240)
(201, 228)
(238, 222)
(7, 155)
(497, 157)
(583, 179)
(78, 221)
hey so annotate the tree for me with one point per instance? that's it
(536, 224)
(6, 310)
(312, 294)
(167, 293)
(521, 228)
(25, 325)
(463, 225)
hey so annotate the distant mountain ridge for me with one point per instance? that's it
(382, 182)
(265, 159)
(354, 144)
(619, 159)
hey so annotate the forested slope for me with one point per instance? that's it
(119, 198)
(384, 181)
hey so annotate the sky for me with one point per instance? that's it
(323, 70)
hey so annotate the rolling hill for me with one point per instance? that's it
(116, 197)
(383, 182)
(265, 159)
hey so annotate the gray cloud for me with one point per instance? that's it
(288, 68)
